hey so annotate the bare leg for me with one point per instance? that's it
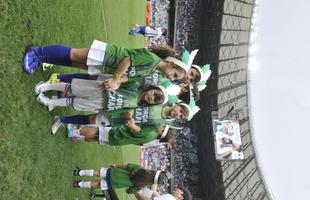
(79, 55)
(92, 119)
(79, 65)
(91, 134)
(95, 184)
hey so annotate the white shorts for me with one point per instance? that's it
(89, 95)
(102, 119)
(104, 135)
(95, 57)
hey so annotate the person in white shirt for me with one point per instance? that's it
(148, 31)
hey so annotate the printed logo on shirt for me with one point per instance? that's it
(153, 79)
(115, 101)
(141, 115)
(131, 71)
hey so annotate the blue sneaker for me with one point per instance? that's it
(31, 62)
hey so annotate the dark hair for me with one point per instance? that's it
(185, 111)
(145, 88)
(185, 96)
(145, 177)
(167, 138)
(162, 51)
(197, 78)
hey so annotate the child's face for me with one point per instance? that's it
(178, 112)
(153, 96)
(173, 72)
(193, 75)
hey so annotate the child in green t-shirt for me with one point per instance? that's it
(107, 58)
(89, 95)
(126, 134)
(130, 176)
(149, 116)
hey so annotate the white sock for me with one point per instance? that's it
(56, 86)
(85, 184)
(62, 102)
(87, 172)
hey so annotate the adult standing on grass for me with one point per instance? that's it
(107, 58)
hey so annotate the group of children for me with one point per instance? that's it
(134, 96)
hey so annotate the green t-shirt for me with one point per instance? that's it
(156, 78)
(120, 178)
(147, 116)
(123, 135)
(125, 97)
(142, 60)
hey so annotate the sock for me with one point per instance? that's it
(63, 87)
(68, 77)
(89, 172)
(62, 102)
(85, 184)
(75, 119)
(54, 54)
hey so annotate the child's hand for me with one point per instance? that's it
(113, 166)
(129, 114)
(131, 123)
(111, 84)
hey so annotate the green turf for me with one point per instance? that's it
(34, 164)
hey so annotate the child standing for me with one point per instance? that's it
(130, 176)
(126, 134)
(89, 95)
(109, 59)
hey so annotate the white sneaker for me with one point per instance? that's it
(50, 106)
(43, 99)
(56, 124)
(40, 87)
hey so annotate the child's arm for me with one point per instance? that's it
(131, 124)
(119, 166)
(118, 78)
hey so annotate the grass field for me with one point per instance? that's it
(33, 163)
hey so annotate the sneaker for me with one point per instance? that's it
(76, 184)
(40, 87)
(43, 99)
(76, 171)
(31, 62)
(53, 78)
(56, 124)
(46, 66)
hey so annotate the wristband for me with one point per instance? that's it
(116, 76)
